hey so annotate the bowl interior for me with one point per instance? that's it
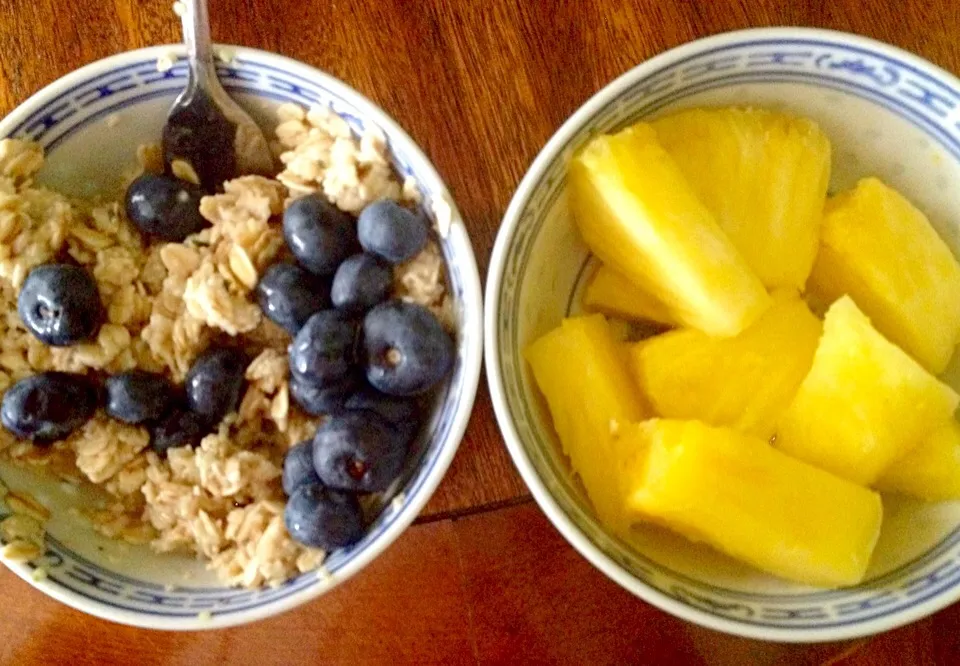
(90, 130)
(885, 117)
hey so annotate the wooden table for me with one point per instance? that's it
(483, 578)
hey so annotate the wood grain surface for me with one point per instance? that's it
(480, 86)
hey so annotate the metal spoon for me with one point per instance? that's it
(208, 137)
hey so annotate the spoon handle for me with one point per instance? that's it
(196, 35)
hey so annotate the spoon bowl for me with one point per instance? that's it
(208, 138)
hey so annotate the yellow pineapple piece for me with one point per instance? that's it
(764, 175)
(865, 402)
(931, 471)
(581, 371)
(639, 215)
(611, 293)
(882, 251)
(744, 382)
(740, 495)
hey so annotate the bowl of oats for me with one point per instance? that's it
(219, 403)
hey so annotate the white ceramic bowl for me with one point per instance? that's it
(887, 113)
(90, 123)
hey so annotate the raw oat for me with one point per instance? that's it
(166, 61)
(442, 215)
(421, 280)
(22, 503)
(21, 551)
(21, 526)
(322, 155)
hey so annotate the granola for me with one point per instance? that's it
(165, 304)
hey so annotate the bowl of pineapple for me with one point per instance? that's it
(723, 311)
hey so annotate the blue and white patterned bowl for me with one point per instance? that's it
(888, 113)
(90, 122)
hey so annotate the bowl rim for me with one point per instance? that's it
(472, 352)
(508, 227)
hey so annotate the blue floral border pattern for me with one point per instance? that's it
(122, 88)
(926, 102)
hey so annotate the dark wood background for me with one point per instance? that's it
(483, 578)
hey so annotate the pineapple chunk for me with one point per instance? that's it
(637, 213)
(581, 370)
(864, 403)
(748, 500)
(744, 382)
(883, 252)
(764, 175)
(931, 471)
(611, 293)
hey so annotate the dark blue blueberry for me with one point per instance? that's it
(402, 414)
(322, 518)
(298, 467)
(406, 349)
(289, 295)
(165, 207)
(320, 399)
(324, 350)
(358, 451)
(214, 383)
(60, 304)
(390, 231)
(319, 234)
(361, 282)
(138, 396)
(179, 428)
(48, 406)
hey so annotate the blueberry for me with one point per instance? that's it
(138, 396)
(298, 467)
(323, 351)
(402, 414)
(48, 406)
(214, 383)
(317, 399)
(357, 451)
(288, 295)
(361, 282)
(319, 234)
(389, 230)
(60, 304)
(322, 518)
(165, 207)
(407, 350)
(179, 428)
